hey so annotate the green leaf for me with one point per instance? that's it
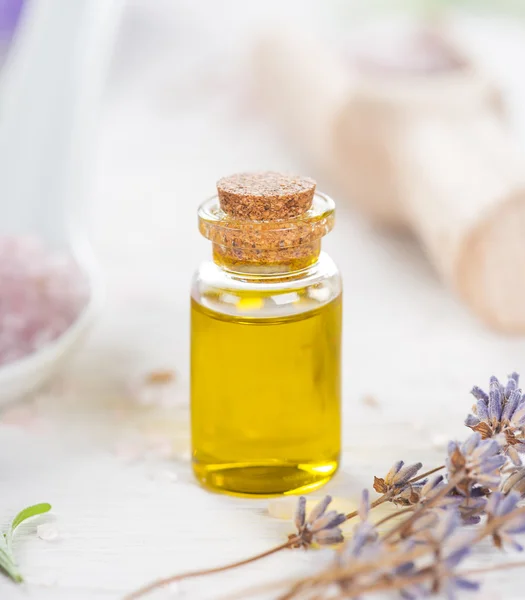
(27, 513)
(7, 562)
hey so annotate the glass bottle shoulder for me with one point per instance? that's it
(262, 297)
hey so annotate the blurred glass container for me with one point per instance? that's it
(54, 59)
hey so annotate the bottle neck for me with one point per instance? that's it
(257, 261)
(270, 247)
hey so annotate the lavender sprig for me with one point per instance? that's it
(500, 505)
(501, 411)
(395, 483)
(478, 461)
(319, 527)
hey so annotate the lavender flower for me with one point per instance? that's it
(472, 507)
(431, 488)
(448, 583)
(366, 548)
(500, 505)
(397, 481)
(409, 495)
(501, 411)
(420, 492)
(475, 461)
(381, 562)
(364, 535)
(320, 526)
(440, 530)
(434, 526)
(365, 544)
(515, 482)
(456, 549)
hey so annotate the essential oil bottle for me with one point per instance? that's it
(266, 339)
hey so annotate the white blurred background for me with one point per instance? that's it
(181, 109)
(182, 106)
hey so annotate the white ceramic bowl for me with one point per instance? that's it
(20, 377)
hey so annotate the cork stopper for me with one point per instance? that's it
(265, 196)
(266, 222)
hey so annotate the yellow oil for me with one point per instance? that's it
(265, 400)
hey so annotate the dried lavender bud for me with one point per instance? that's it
(475, 461)
(515, 482)
(364, 533)
(432, 487)
(365, 547)
(421, 492)
(449, 583)
(363, 543)
(320, 526)
(409, 495)
(440, 530)
(435, 526)
(514, 456)
(471, 508)
(363, 509)
(382, 561)
(397, 480)
(501, 505)
(501, 411)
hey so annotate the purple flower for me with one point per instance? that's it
(366, 548)
(411, 494)
(425, 490)
(504, 507)
(456, 549)
(472, 507)
(440, 530)
(432, 487)
(320, 526)
(364, 537)
(501, 411)
(475, 461)
(451, 583)
(397, 481)
(435, 526)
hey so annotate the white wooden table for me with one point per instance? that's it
(166, 135)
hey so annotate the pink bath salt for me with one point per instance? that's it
(42, 293)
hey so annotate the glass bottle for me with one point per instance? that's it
(266, 340)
